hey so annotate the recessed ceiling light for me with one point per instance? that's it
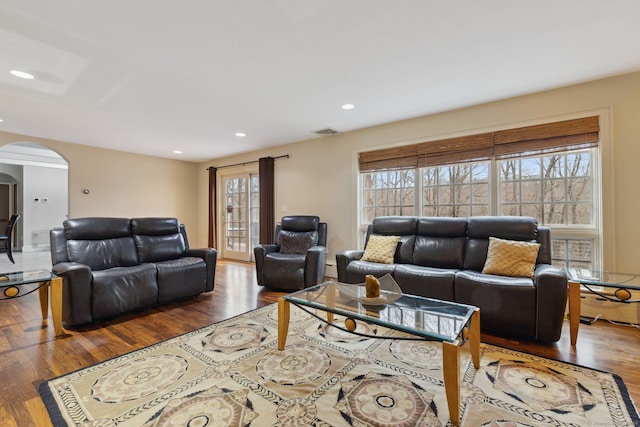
(1, 120)
(348, 106)
(241, 134)
(22, 74)
(177, 152)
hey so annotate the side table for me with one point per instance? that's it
(20, 283)
(621, 284)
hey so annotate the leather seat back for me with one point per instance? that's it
(302, 225)
(440, 242)
(406, 227)
(100, 243)
(480, 228)
(158, 239)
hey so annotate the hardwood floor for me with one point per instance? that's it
(30, 353)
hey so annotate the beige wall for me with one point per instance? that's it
(320, 175)
(124, 184)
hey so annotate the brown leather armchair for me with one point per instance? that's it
(298, 257)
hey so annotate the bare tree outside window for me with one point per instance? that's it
(389, 192)
(456, 190)
(557, 190)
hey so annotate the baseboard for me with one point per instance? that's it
(331, 271)
(36, 248)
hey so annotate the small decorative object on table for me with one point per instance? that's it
(387, 289)
(372, 286)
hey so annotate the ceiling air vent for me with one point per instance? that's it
(327, 131)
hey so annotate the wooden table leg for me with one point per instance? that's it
(43, 292)
(283, 322)
(574, 310)
(451, 373)
(331, 301)
(55, 286)
(474, 338)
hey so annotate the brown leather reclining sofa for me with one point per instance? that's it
(443, 258)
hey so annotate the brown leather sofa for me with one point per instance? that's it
(112, 266)
(443, 258)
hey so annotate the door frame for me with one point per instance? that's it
(223, 174)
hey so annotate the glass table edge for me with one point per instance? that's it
(36, 276)
(594, 280)
(292, 298)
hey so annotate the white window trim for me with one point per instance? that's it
(603, 194)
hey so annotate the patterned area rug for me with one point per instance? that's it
(231, 374)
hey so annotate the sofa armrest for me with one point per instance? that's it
(259, 252)
(315, 265)
(210, 256)
(343, 258)
(551, 293)
(76, 292)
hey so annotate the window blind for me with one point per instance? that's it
(524, 141)
(547, 138)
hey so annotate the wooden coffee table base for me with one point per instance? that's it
(450, 355)
(54, 286)
(574, 310)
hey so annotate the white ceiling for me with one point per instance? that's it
(153, 76)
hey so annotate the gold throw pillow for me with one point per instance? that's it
(511, 258)
(381, 249)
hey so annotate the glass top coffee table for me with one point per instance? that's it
(425, 318)
(619, 287)
(20, 283)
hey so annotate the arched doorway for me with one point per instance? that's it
(34, 182)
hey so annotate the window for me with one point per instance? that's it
(390, 192)
(254, 208)
(558, 190)
(553, 181)
(455, 190)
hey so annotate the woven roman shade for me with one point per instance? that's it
(404, 157)
(456, 150)
(547, 138)
(524, 141)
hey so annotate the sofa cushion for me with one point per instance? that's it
(288, 234)
(507, 304)
(394, 225)
(300, 223)
(504, 227)
(426, 281)
(480, 228)
(180, 278)
(285, 271)
(121, 289)
(357, 270)
(159, 248)
(96, 228)
(155, 226)
(295, 243)
(511, 258)
(103, 254)
(381, 249)
(439, 252)
(440, 242)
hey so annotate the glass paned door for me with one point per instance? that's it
(241, 226)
